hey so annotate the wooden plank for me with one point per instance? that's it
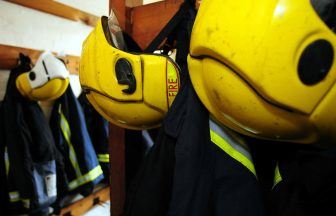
(119, 8)
(134, 3)
(198, 4)
(9, 57)
(148, 20)
(117, 136)
(82, 206)
(117, 169)
(58, 9)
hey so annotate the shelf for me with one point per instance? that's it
(9, 56)
(58, 9)
(83, 205)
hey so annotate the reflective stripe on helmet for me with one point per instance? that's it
(173, 84)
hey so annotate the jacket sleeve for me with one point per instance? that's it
(84, 159)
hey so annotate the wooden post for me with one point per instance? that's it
(117, 169)
(119, 7)
(117, 139)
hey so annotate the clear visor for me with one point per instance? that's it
(116, 32)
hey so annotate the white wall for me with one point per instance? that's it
(28, 28)
(150, 1)
(96, 7)
(24, 27)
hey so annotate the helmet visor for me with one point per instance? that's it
(113, 31)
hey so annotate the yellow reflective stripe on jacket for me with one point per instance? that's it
(26, 203)
(277, 176)
(14, 196)
(67, 135)
(90, 176)
(104, 158)
(6, 161)
(230, 146)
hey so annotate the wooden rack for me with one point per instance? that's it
(58, 9)
(9, 57)
(85, 204)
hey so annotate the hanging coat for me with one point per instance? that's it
(304, 182)
(72, 139)
(4, 199)
(28, 149)
(98, 129)
(193, 169)
(196, 167)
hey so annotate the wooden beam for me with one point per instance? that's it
(148, 20)
(198, 4)
(119, 8)
(134, 3)
(117, 169)
(9, 57)
(82, 206)
(117, 136)
(58, 9)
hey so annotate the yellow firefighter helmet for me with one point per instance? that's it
(267, 68)
(47, 80)
(130, 90)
